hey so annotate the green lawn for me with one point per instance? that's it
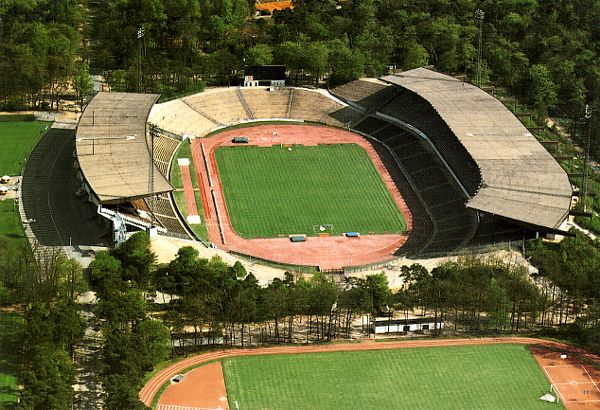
(185, 151)
(465, 377)
(271, 191)
(9, 358)
(10, 223)
(17, 139)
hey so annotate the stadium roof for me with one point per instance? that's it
(112, 150)
(520, 179)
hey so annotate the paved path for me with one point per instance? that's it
(88, 360)
(581, 229)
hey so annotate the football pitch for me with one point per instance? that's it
(273, 191)
(17, 139)
(473, 377)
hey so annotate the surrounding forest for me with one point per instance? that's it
(544, 52)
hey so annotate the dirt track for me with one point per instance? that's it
(333, 252)
(202, 388)
(151, 388)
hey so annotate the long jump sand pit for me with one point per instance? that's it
(326, 252)
(202, 388)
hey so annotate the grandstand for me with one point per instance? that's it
(268, 104)
(409, 108)
(180, 119)
(467, 169)
(48, 195)
(441, 222)
(520, 180)
(313, 106)
(497, 179)
(220, 105)
(368, 94)
(164, 149)
(197, 115)
(112, 151)
(165, 214)
(118, 169)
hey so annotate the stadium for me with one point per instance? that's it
(428, 165)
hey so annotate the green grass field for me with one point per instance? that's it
(462, 377)
(185, 151)
(10, 223)
(9, 358)
(17, 139)
(271, 191)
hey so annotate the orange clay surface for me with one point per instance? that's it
(326, 252)
(546, 353)
(188, 188)
(203, 387)
(575, 382)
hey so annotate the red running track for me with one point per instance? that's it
(188, 189)
(334, 252)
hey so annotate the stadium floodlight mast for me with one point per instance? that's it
(586, 159)
(140, 36)
(479, 15)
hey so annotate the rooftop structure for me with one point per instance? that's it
(112, 151)
(520, 180)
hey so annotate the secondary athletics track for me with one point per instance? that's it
(332, 252)
(568, 374)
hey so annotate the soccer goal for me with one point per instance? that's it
(323, 228)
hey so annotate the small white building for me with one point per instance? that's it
(420, 324)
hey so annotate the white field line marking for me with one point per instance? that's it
(552, 381)
(588, 374)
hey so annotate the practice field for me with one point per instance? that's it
(17, 139)
(272, 191)
(481, 377)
